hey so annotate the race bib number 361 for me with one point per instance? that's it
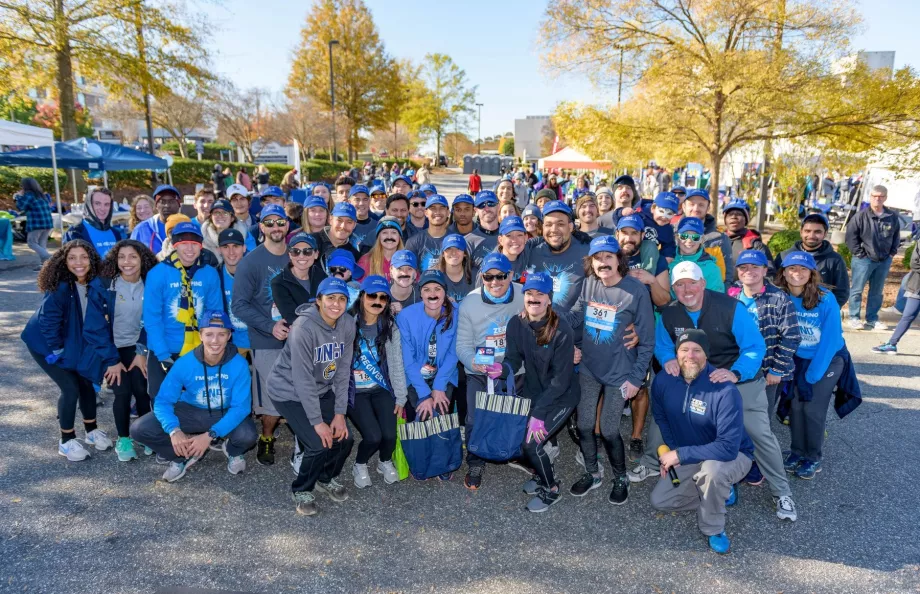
(600, 316)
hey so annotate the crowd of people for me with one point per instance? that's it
(380, 306)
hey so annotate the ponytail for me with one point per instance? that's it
(547, 332)
(447, 314)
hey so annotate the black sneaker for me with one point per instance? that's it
(636, 447)
(543, 499)
(473, 478)
(620, 492)
(588, 482)
(265, 451)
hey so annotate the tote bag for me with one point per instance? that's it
(500, 422)
(432, 447)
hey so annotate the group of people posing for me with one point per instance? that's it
(372, 307)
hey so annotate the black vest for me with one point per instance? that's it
(716, 319)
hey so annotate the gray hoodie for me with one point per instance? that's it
(483, 324)
(316, 358)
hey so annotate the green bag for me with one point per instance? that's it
(399, 457)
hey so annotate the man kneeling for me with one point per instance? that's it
(701, 422)
(204, 397)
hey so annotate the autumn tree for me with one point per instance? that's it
(48, 115)
(242, 116)
(179, 115)
(720, 74)
(446, 101)
(458, 144)
(361, 66)
(506, 146)
(397, 99)
(301, 119)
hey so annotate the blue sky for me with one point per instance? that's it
(494, 41)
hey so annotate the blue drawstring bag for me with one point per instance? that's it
(432, 447)
(500, 422)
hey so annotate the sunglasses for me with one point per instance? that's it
(667, 212)
(689, 236)
(301, 251)
(338, 270)
(382, 297)
(489, 204)
(417, 204)
(494, 277)
(275, 223)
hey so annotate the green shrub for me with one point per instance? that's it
(211, 149)
(10, 178)
(908, 252)
(782, 241)
(844, 252)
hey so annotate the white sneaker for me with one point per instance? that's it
(296, 459)
(785, 508)
(388, 470)
(879, 325)
(73, 450)
(639, 474)
(99, 440)
(891, 310)
(235, 464)
(177, 470)
(855, 324)
(362, 477)
(551, 451)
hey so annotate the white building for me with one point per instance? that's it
(528, 133)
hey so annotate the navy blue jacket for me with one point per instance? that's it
(702, 420)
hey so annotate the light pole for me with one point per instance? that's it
(332, 98)
(479, 136)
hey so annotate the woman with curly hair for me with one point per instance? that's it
(142, 208)
(123, 271)
(68, 338)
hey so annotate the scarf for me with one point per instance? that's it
(186, 308)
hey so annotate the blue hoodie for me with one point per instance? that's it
(165, 335)
(228, 388)
(415, 327)
(822, 334)
(151, 233)
(702, 420)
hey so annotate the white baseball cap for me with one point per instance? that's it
(686, 270)
(235, 189)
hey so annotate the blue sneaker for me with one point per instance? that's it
(791, 462)
(732, 500)
(754, 476)
(808, 469)
(719, 543)
(886, 348)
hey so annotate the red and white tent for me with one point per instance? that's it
(569, 158)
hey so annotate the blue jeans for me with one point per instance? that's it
(865, 270)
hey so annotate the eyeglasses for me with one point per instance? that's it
(301, 251)
(489, 204)
(338, 270)
(382, 297)
(275, 223)
(689, 236)
(417, 204)
(494, 277)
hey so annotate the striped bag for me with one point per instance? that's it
(433, 447)
(500, 423)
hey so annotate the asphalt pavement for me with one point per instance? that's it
(105, 526)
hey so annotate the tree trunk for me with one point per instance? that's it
(765, 171)
(183, 148)
(66, 102)
(715, 171)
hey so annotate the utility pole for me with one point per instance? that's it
(479, 135)
(332, 99)
(620, 78)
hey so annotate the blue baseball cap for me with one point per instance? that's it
(454, 240)
(511, 223)
(432, 276)
(302, 238)
(436, 200)
(165, 189)
(678, 190)
(404, 178)
(497, 261)
(375, 284)
(812, 217)
(377, 189)
(695, 193)
(214, 318)
(359, 189)
(344, 209)
(315, 202)
(463, 199)
(345, 259)
(428, 188)
(691, 224)
(737, 204)
(332, 286)
(540, 282)
(272, 210)
(557, 206)
(755, 257)
(532, 210)
(604, 243)
(388, 223)
(485, 196)
(222, 204)
(185, 228)
(404, 258)
(800, 259)
(667, 200)
(631, 222)
(415, 194)
(273, 191)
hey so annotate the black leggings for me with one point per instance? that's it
(74, 388)
(533, 452)
(131, 384)
(611, 411)
(373, 416)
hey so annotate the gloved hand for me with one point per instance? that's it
(536, 429)
(54, 357)
(494, 370)
(166, 364)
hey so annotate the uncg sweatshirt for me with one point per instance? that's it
(821, 332)
(162, 293)
(701, 420)
(315, 359)
(253, 300)
(225, 387)
(415, 329)
(484, 323)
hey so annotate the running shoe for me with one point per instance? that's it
(887, 348)
(580, 460)
(544, 499)
(265, 452)
(620, 492)
(785, 508)
(636, 447)
(446, 477)
(296, 459)
(161, 460)
(640, 473)
(732, 497)
(473, 478)
(306, 503)
(855, 324)
(148, 451)
(531, 486)
(98, 439)
(334, 489)
(878, 325)
(587, 483)
(178, 469)
(808, 469)
(754, 476)
(552, 451)
(388, 470)
(791, 462)
(719, 543)
(235, 464)
(124, 449)
(73, 450)
(362, 477)
(216, 445)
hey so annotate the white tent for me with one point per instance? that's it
(15, 134)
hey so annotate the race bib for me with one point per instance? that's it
(363, 381)
(600, 317)
(697, 407)
(496, 340)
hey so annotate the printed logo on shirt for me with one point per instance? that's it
(429, 259)
(331, 351)
(329, 371)
(563, 280)
(697, 407)
(809, 328)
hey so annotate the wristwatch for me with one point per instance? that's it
(212, 434)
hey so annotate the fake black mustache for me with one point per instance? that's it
(534, 303)
(388, 240)
(604, 268)
(403, 277)
(376, 306)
